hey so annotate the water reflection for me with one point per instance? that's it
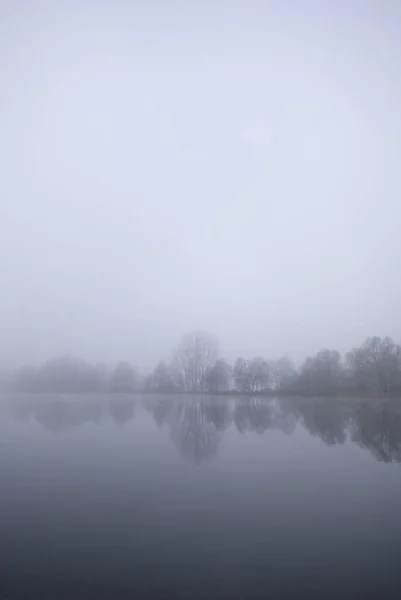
(378, 429)
(193, 431)
(328, 423)
(121, 409)
(253, 414)
(61, 413)
(198, 424)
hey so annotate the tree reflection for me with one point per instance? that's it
(218, 412)
(121, 409)
(378, 429)
(60, 413)
(194, 434)
(326, 422)
(197, 424)
(285, 416)
(161, 408)
(253, 414)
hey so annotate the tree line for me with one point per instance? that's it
(374, 367)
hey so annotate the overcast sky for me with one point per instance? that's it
(232, 166)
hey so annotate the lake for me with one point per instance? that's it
(188, 497)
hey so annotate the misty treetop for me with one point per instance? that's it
(197, 367)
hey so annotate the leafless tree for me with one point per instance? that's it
(196, 354)
(376, 365)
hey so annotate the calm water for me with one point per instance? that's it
(180, 497)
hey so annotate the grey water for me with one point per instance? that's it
(190, 497)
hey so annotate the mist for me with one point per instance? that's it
(167, 167)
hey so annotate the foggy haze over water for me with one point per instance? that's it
(172, 166)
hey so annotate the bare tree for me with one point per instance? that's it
(196, 354)
(376, 365)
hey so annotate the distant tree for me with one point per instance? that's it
(251, 375)
(321, 374)
(242, 376)
(282, 373)
(258, 370)
(67, 374)
(123, 378)
(376, 365)
(217, 377)
(162, 379)
(196, 353)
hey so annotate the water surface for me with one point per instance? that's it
(190, 497)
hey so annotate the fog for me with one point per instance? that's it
(225, 166)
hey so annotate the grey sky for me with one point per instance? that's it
(169, 166)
